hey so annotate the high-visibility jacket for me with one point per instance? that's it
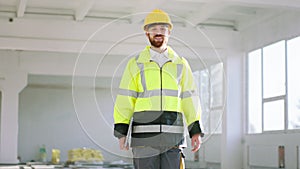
(157, 98)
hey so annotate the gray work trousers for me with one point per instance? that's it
(156, 158)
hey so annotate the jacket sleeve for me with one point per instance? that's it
(190, 101)
(125, 100)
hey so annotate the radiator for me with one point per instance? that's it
(270, 156)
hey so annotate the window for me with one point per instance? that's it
(273, 97)
(254, 92)
(274, 70)
(293, 65)
(0, 106)
(274, 115)
(273, 86)
(211, 96)
(204, 98)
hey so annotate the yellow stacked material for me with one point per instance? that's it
(55, 156)
(84, 155)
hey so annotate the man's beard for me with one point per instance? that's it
(156, 43)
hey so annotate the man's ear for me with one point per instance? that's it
(147, 34)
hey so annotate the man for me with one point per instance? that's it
(157, 92)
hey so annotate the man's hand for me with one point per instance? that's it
(122, 143)
(196, 142)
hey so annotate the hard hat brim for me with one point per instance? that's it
(145, 27)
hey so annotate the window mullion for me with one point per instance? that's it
(270, 99)
(286, 117)
(209, 101)
(262, 90)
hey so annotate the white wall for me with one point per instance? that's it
(47, 116)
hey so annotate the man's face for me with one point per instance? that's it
(158, 34)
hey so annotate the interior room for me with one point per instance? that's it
(61, 63)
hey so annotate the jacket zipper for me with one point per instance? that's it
(161, 109)
(161, 90)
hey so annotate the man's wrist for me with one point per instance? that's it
(195, 128)
(120, 130)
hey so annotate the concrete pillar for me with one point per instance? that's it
(10, 85)
(232, 127)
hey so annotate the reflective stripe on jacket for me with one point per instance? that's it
(157, 98)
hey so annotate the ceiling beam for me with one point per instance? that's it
(286, 4)
(260, 18)
(21, 8)
(206, 12)
(140, 13)
(266, 3)
(83, 10)
(137, 17)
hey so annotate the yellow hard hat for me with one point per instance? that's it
(157, 16)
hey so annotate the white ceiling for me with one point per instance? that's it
(233, 14)
(64, 25)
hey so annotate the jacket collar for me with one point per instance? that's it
(146, 57)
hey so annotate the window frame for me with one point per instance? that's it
(269, 99)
